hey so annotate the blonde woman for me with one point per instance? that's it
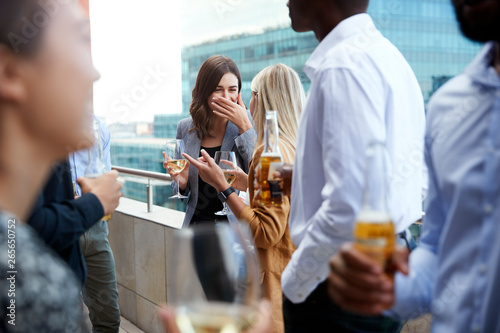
(277, 88)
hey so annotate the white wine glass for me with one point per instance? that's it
(173, 156)
(226, 160)
(214, 278)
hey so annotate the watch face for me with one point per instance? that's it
(222, 196)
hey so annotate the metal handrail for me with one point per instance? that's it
(144, 174)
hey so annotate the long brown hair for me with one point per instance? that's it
(209, 76)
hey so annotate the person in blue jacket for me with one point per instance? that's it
(60, 219)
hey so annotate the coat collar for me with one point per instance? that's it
(192, 142)
(481, 69)
(356, 24)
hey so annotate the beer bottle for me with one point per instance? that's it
(374, 232)
(269, 192)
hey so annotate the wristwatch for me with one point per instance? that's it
(225, 194)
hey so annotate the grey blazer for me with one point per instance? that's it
(243, 145)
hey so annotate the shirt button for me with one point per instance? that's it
(482, 268)
(476, 330)
(299, 295)
(318, 278)
(488, 209)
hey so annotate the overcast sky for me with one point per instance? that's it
(136, 46)
(209, 19)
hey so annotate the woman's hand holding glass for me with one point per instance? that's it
(241, 181)
(181, 177)
(226, 160)
(176, 165)
(234, 112)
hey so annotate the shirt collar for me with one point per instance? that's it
(481, 69)
(345, 29)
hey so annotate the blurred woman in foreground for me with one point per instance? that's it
(45, 82)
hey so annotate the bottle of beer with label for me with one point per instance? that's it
(374, 232)
(269, 193)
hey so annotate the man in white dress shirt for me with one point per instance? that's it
(362, 89)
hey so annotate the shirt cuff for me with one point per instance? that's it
(298, 282)
(414, 292)
(91, 208)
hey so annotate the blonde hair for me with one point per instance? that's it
(279, 88)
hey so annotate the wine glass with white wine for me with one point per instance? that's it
(226, 160)
(214, 279)
(173, 156)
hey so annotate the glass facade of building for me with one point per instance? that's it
(165, 125)
(425, 31)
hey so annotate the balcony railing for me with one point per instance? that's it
(149, 176)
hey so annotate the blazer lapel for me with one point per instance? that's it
(193, 144)
(231, 134)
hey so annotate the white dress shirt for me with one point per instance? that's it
(362, 89)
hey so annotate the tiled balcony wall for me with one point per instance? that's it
(141, 246)
(140, 243)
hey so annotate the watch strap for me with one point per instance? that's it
(225, 194)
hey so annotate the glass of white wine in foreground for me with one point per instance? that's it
(173, 156)
(214, 279)
(226, 161)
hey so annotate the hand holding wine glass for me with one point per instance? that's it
(241, 181)
(181, 176)
(226, 160)
(176, 165)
